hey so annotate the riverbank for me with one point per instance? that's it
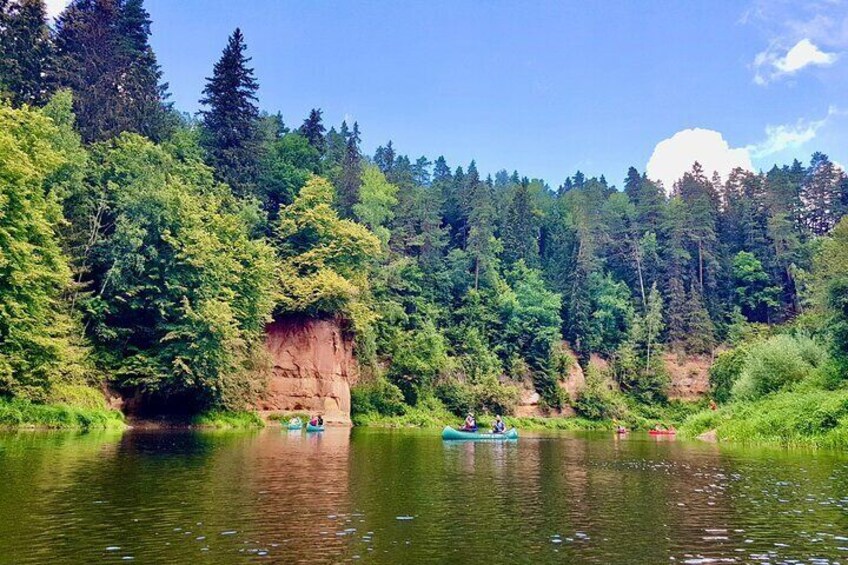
(22, 414)
(433, 414)
(817, 418)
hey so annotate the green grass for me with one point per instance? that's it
(284, 419)
(227, 420)
(815, 418)
(16, 413)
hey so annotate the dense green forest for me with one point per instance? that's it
(147, 249)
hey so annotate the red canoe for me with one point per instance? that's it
(662, 432)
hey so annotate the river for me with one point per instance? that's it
(383, 496)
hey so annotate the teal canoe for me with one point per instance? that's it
(295, 426)
(311, 428)
(450, 433)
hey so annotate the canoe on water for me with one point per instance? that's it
(311, 428)
(295, 426)
(451, 433)
(662, 432)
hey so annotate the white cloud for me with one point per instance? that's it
(55, 7)
(674, 156)
(770, 65)
(782, 137)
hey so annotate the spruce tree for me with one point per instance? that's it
(230, 119)
(350, 178)
(25, 51)
(700, 333)
(821, 195)
(313, 130)
(520, 232)
(103, 56)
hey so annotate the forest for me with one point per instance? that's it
(145, 249)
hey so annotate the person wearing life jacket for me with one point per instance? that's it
(470, 424)
(499, 426)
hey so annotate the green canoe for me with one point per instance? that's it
(311, 428)
(450, 433)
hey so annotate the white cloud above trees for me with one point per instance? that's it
(675, 155)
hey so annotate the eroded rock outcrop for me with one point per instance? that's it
(312, 369)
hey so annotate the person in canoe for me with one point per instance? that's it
(316, 421)
(499, 426)
(295, 421)
(470, 424)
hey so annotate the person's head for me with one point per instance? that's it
(498, 418)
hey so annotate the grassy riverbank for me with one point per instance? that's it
(22, 414)
(816, 418)
(220, 419)
(431, 413)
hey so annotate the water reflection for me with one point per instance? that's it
(407, 496)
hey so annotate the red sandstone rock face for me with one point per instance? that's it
(312, 368)
(690, 376)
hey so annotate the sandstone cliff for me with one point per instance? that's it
(312, 369)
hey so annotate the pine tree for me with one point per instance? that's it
(384, 157)
(25, 51)
(480, 219)
(821, 195)
(700, 333)
(103, 56)
(350, 178)
(313, 130)
(520, 232)
(230, 119)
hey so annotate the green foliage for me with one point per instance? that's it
(380, 397)
(287, 164)
(77, 396)
(224, 419)
(179, 292)
(775, 363)
(322, 258)
(725, 371)
(19, 413)
(812, 418)
(489, 396)
(753, 292)
(597, 401)
(38, 344)
(377, 197)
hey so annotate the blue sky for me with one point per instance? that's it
(543, 87)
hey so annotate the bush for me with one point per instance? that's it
(776, 363)
(490, 397)
(725, 371)
(379, 397)
(817, 418)
(645, 384)
(227, 419)
(19, 413)
(79, 396)
(596, 401)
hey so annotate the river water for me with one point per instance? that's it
(378, 496)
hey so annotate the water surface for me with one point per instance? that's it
(405, 497)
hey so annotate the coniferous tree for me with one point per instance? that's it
(700, 332)
(821, 195)
(230, 119)
(313, 130)
(520, 232)
(350, 175)
(25, 51)
(104, 57)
